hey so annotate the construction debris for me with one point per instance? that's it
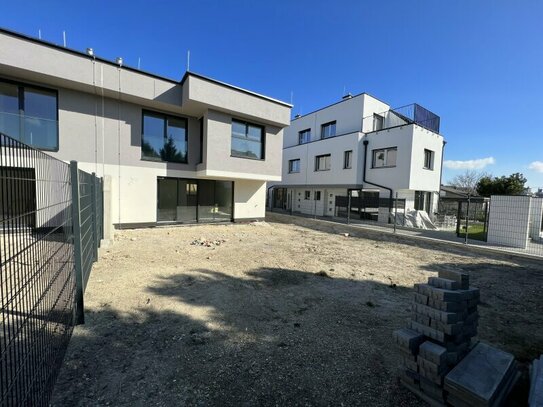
(207, 243)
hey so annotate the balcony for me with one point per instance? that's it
(410, 114)
(37, 132)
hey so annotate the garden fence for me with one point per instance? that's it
(47, 213)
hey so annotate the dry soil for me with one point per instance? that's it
(271, 314)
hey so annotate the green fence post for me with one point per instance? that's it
(94, 221)
(76, 224)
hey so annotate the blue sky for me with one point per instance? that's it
(477, 64)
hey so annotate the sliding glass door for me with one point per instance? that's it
(188, 201)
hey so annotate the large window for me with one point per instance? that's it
(304, 136)
(294, 165)
(348, 159)
(428, 159)
(29, 114)
(164, 138)
(328, 130)
(385, 157)
(247, 140)
(322, 162)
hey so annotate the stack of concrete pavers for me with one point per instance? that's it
(443, 323)
(483, 378)
(536, 383)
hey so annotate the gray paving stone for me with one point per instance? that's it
(536, 383)
(448, 306)
(433, 352)
(443, 316)
(478, 378)
(460, 277)
(444, 283)
(420, 298)
(408, 339)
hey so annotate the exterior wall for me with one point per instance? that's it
(249, 199)
(422, 179)
(508, 220)
(336, 146)
(218, 162)
(323, 207)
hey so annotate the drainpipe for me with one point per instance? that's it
(441, 171)
(372, 183)
(270, 199)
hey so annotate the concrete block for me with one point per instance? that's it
(449, 329)
(433, 352)
(416, 390)
(441, 294)
(448, 306)
(436, 378)
(458, 276)
(444, 283)
(408, 339)
(479, 377)
(421, 319)
(431, 367)
(410, 364)
(432, 390)
(420, 298)
(535, 398)
(442, 316)
(427, 331)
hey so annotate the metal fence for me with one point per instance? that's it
(38, 274)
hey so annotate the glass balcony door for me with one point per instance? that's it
(177, 200)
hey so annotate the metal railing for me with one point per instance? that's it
(38, 274)
(401, 116)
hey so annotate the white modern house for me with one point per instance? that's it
(362, 148)
(170, 151)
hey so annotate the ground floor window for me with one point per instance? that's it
(189, 200)
(422, 201)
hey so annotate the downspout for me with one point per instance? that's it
(270, 199)
(372, 183)
(441, 171)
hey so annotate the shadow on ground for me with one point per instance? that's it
(277, 337)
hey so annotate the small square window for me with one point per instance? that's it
(304, 136)
(294, 166)
(322, 162)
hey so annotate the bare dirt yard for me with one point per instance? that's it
(272, 314)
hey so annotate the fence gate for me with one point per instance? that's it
(38, 274)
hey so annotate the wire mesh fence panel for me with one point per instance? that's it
(37, 283)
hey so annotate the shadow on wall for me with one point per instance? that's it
(275, 336)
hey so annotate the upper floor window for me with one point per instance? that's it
(322, 162)
(247, 140)
(294, 166)
(378, 122)
(164, 138)
(385, 157)
(428, 159)
(29, 114)
(304, 136)
(307, 195)
(348, 159)
(328, 129)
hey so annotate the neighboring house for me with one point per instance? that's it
(361, 145)
(195, 150)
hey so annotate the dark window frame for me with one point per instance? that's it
(290, 171)
(165, 116)
(307, 195)
(20, 98)
(383, 149)
(300, 136)
(317, 196)
(317, 157)
(325, 125)
(350, 161)
(430, 166)
(262, 142)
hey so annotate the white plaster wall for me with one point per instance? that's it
(249, 199)
(336, 147)
(508, 220)
(422, 179)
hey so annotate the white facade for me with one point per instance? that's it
(410, 139)
(100, 123)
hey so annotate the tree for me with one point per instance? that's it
(468, 180)
(514, 184)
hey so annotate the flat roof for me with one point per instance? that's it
(129, 68)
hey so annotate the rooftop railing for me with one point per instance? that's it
(401, 116)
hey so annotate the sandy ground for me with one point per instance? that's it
(275, 314)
